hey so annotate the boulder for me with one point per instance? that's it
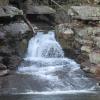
(31, 9)
(17, 36)
(86, 49)
(6, 51)
(65, 36)
(87, 35)
(22, 47)
(95, 57)
(84, 41)
(68, 33)
(64, 31)
(4, 2)
(14, 38)
(9, 11)
(16, 28)
(97, 41)
(12, 62)
(96, 1)
(87, 32)
(2, 35)
(2, 67)
(1, 58)
(85, 12)
(4, 72)
(93, 69)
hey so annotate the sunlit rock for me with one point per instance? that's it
(1, 58)
(22, 45)
(95, 57)
(68, 33)
(4, 2)
(12, 62)
(2, 35)
(64, 35)
(97, 40)
(9, 11)
(95, 70)
(5, 50)
(4, 72)
(85, 12)
(31, 9)
(86, 49)
(16, 28)
(2, 67)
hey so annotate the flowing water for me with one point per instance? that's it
(50, 70)
(45, 74)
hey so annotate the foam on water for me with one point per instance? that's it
(45, 61)
(58, 92)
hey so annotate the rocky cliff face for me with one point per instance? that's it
(14, 36)
(82, 36)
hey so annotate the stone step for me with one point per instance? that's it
(39, 10)
(9, 11)
(4, 2)
(85, 12)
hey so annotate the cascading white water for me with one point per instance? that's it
(45, 61)
(44, 46)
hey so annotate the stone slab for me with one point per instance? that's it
(39, 10)
(9, 11)
(85, 12)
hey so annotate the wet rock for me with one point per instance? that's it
(22, 47)
(84, 41)
(16, 36)
(85, 66)
(4, 51)
(12, 62)
(93, 2)
(4, 2)
(1, 58)
(82, 57)
(65, 36)
(86, 49)
(4, 72)
(96, 1)
(95, 57)
(93, 69)
(16, 28)
(68, 33)
(9, 11)
(2, 67)
(61, 17)
(64, 31)
(85, 33)
(85, 12)
(39, 10)
(2, 35)
(97, 40)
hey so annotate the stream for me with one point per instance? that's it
(45, 74)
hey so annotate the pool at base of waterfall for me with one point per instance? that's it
(50, 71)
(52, 97)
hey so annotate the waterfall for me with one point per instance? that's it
(44, 45)
(49, 68)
